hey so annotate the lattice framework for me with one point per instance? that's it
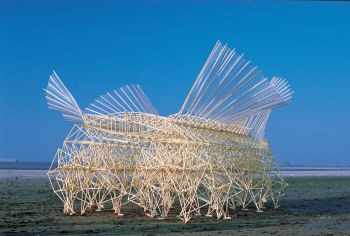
(210, 156)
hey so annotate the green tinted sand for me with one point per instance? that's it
(312, 205)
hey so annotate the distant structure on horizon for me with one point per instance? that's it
(210, 156)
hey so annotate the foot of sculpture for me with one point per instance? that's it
(149, 215)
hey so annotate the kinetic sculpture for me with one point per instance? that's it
(210, 155)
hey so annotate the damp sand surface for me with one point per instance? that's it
(311, 206)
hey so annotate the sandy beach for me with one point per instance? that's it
(311, 206)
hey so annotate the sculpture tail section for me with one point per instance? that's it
(59, 98)
(229, 89)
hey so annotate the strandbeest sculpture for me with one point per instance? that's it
(210, 156)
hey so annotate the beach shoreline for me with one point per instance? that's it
(312, 205)
(285, 172)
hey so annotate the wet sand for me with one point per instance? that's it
(311, 206)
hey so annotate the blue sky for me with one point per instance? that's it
(95, 48)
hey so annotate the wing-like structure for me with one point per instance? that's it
(230, 89)
(59, 98)
(256, 124)
(129, 98)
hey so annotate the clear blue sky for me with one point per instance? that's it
(95, 48)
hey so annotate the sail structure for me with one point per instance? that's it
(229, 88)
(129, 98)
(59, 98)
